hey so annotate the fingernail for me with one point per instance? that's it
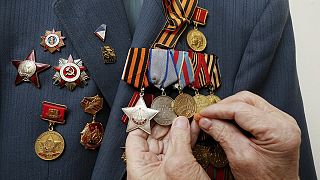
(181, 122)
(205, 123)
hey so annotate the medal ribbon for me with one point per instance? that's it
(200, 16)
(178, 14)
(183, 67)
(213, 69)
(134, 72)
(161, 68)
(201, 74)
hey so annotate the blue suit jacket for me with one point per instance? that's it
(254, 40)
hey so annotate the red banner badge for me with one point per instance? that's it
(53, 112)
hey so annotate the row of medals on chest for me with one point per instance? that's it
(205, 151)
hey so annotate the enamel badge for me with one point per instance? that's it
(28, 69)
(52, 41)
(92, 134)
(100, 32)
(70, 73)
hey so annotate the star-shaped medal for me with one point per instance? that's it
(70, 73)
(52, 41)
(28, 69)
(139, 116)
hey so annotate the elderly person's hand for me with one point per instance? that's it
(271, 153)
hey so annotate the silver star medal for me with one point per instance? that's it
(140, 116)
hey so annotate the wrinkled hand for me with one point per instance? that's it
(272, 152)
(165, 154)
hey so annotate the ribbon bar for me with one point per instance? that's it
(52, 112)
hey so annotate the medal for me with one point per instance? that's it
(202, 154)
(52, 41)
(201, 101)
(166, 114)
(140, 116)
(162, 74)
(196, 39)
(218, 157)
(50, 144)
(184, 105)
(70, 73)
(92, 134)
(28, 69)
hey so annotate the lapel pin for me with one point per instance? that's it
(28, 69)
(52, 41)
(100, 32)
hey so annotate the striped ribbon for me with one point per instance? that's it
(200, 16)
(213, 70)
(134, 72)
(178, 14)
(183, 67)
(201, 73)
(161, 68)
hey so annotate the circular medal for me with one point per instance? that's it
(184, 105)
(202, 155)
(196, 40)
(213, 98)
(49, 145)
(166, 114)
(91, 135)
(201, 102)
(27, 68)
(70, 72)
(52, 40)
(218, 158)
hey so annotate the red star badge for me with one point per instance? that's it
(52, 41)
(70, 73)
(28, 69)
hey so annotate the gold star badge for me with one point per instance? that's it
(139, 116)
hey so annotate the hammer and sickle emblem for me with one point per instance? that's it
(70, 71)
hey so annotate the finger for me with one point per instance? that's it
(226, 134)
(246, 116)
(195, 131)
(180, 136)
(250, 98)
(155, 139)
(136, 143)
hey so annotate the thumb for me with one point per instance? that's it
(180, 135)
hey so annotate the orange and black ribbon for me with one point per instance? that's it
(213, 70)
(200, 68)
(178, 14)
(134, 72)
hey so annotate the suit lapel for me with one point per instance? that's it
(80, 18)
(109, 159)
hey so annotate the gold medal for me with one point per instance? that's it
(196, 40)
(184, 105)
(92, 134)
(49, 145)
(201, 102)
(219, 158)
(166, 114)
(213, 98)
(202, 154)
